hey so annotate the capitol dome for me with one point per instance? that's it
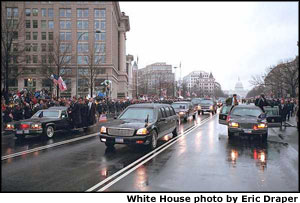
(239, 85)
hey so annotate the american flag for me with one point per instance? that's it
(54, 78)
(102, 118)
(62, 85)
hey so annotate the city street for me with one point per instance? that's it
(201, 158)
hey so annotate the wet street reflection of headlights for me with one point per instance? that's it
(141, 179)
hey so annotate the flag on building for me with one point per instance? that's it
(54, 78)
(102, 118)
(62, 85)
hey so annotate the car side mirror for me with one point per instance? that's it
(262, 116)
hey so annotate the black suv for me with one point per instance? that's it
(185, 109)
(141, 124)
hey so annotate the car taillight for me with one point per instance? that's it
(36, 126)
(24, 126)
(228, 118)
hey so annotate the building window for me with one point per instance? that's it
(35, 12)
(12, 12)
(44, 47)
(34, 24)
(65, 24)
(65, 71)
(50, 24)
(83, 71)
(82, 36)
(82, 24)
(44, 59)
(44, 12)
(27, 23)
(50, 47)
(82, 60)
(63, 12)
(28, 35)
(82, 12)
(15, 47)
(34, 35)
(27, 47)
(43, 24)
(50, 35)
(50, 12)
(100, 48)
(65, 48)
(100, 13)
(65, 36)
(15, 35)
(29, 82)
(100, 36)
(44, 36)
(83, 47)
(99, 25)
(50, 59)
(27, 11)
(34, 59)
(28, 59)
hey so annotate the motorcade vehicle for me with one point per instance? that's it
(244, 119)
(247, 120)
(196, 103)
(44, 122)
(221, 102)
(140, 124)
(273, 117)
(208, 105)
(185, 109)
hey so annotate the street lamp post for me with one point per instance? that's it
(175, 82)
(97, 31)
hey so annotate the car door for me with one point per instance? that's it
(273, 118)
(173, 118)
(162, 122)
(223, 114)
(169, 120)
(62, 122)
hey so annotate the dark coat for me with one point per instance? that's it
(283, 111)
(92, 114)
(17, 114)
(27, 112)
(84, 114)
(76, 114)
(261, 103)
(6, 117)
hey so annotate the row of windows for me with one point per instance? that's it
(43, 24)
(66, 59)
(84, 60)
(63, 12)
(34, 36)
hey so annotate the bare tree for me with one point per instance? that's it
(12, 50)
(59, 58)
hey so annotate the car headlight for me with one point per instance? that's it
(103, 130)
(211, 107)
(142, 131)
(199, 107)
(234, 124)
(262, 125)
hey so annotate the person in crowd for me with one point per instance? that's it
(84, 112)
(283, 110)
(262, 102)
(27, 111)
(232, 100)
(91, 112)
(75, 113)
(17, 113)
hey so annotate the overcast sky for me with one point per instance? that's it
(229, 39)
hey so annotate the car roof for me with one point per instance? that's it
(149, 105)
(246, 106)
(182, 102)
(58, 108)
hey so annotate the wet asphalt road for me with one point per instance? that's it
(201, 160)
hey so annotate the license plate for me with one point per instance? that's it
(19, 132)
(248, 131)
(119, 140)
(26, 131)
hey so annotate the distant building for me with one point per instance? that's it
(134, 80)
(201, 83)
(156, 80)
(238, 89)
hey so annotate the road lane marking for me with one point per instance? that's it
(169, 143)
(46, 147)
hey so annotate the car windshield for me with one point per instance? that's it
(137, 114)
(196, 101)
(246, 112)
(206, 102)
(271, 111)
(180, 106)
(47, 114)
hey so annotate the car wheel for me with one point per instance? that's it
(85, 129)
(49, 131)
(175, 132)
(153, 142)
(264, 137)
(109, 145)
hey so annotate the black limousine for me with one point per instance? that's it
(141, 124)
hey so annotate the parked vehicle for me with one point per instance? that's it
(247, 120)
(185, 109)
(208, 105)
(45, 122)
(141, 124)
